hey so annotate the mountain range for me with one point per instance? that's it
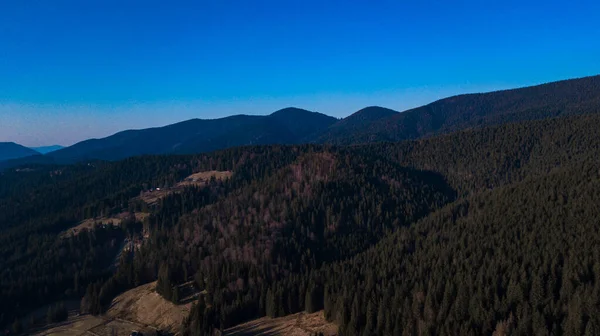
(11, 150)
(47, 149)
(295, 126)
(473, 215)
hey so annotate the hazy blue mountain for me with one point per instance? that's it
(11, 150)
(287, 126)
(371, 124)
(47, 149)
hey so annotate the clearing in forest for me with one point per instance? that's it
(300, 324)
(139, 309)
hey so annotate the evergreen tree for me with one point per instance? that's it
(175, 295)
(17, 327)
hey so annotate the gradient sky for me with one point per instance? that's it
(71, 70)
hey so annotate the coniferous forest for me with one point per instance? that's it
(485, 231)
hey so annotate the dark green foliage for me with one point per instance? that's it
(476, 232)
(201, 320)
(175, 295)
(479, 160)
(37, 203)
(17, 327)
(57, 268)
(524, 253)
(326, 206)
(57, 313)
(164, 286)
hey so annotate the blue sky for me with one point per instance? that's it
(71, 70)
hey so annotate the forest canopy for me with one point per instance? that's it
(489, 230)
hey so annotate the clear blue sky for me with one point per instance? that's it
(71, 70)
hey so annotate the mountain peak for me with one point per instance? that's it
(373, 113)
(290, 110)
(11, 150)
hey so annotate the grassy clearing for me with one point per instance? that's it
(301, 324)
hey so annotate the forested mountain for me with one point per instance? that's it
(563, 98)
(11, 150)
(287, 126)
(518, 260)
(478, 231)
(38, 203)
(354, 123)
(482, 159)
(485, 230)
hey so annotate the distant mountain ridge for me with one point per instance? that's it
(370, 124)
(287, 126)
(11, 150)
(47, 149)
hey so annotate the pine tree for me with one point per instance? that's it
(592, 327)
(50, 315)
(355, 317)
(164, 285)
(371, 318)
(271, 305)
(537, 292)
(308, 301)
(17, 327)
(175, 295)
(342, 313)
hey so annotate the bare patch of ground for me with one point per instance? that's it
(198, 179)
(139, 309)
(75, 325)
(144, 306)
(90, 223)
(119, 327)
(95, 326)
(301, 324)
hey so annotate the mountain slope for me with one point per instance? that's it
(354, 123)
(47, 149)
(568, 97)
(519, 260)
(300, 123)
(518, 254)
(297, 227)
(11, 150)
(421, 279)
(286, 126)
(482, 159)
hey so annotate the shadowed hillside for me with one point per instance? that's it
(522, 260)
(386, 238)
(354, 123)
(563, 98)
